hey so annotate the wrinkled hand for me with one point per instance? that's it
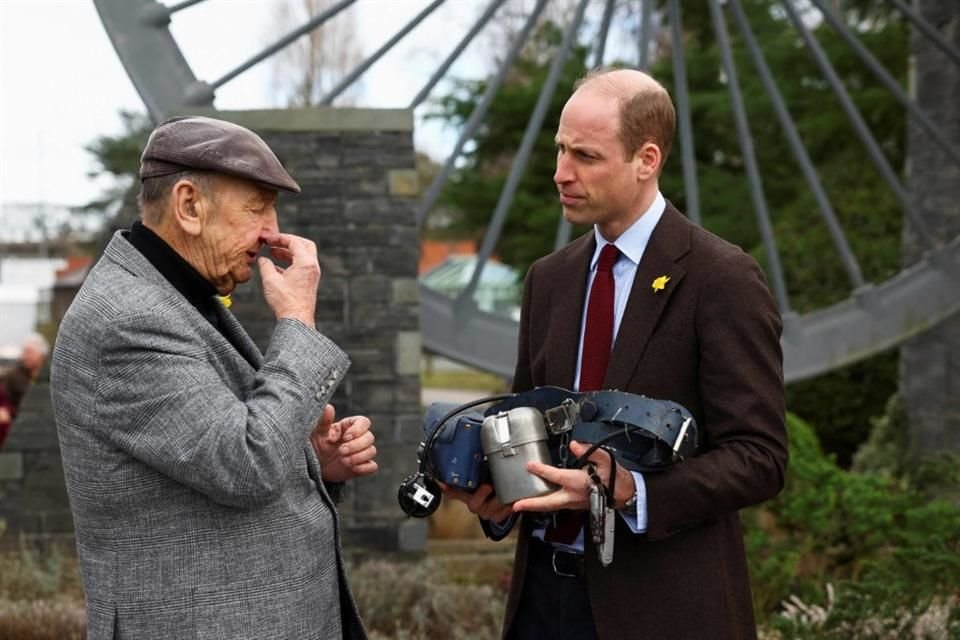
(291, 292)
(345, 448)
(482, 502)
(574, 491)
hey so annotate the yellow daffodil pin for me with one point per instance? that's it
(660, 283)
(226, 301)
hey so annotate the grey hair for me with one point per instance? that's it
(39, 342)
(155, 192)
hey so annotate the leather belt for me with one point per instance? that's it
(566, 564)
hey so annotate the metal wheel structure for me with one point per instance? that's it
(875, 316)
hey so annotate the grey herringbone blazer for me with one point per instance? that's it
(199, 507)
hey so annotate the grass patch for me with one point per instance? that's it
(467, 380)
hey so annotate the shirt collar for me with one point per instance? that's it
(633, 242)
(178, 272)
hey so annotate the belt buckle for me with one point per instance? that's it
(556, 570)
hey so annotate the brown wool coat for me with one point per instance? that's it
(710, 341)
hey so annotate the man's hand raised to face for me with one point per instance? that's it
(291, 292)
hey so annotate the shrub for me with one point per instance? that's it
(891, 554)
(42, 620)
(28, 574)
(40, 595)
(417, 601)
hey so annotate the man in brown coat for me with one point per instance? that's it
(693, 322)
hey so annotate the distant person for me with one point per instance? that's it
(6, 415)
(15, 382)
(202, 474)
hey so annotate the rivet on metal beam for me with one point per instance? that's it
(155, 15)
(944, 260)
(868, 298)
(199, 93)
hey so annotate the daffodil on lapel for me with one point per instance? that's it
(660, 283)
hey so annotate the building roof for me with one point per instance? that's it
(455, 273)
(434, 252)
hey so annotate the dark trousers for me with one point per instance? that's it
(551, 606)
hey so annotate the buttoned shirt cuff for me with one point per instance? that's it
(498, 531)
(638, 521)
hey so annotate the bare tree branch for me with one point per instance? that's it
(315, 63)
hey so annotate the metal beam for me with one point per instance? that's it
(478, 114)
(646, 15)
(936, 133)
(482, 340)
(302, 30)
(928, 30)
(519, 164)
(750, 158)
(149, 54)
(442, 70)
(564, 227)
(366, 64)
(799, 151)
(918, 298)
(688, 158)
(861, 128)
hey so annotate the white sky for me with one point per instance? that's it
(62, 85)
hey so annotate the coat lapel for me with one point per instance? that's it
(669, 241)
(238, 337)
(566, 308)
(120, 250)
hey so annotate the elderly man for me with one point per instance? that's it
(650, 304)
(203, 474)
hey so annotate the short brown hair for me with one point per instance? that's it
(646, 115)
(155, 192)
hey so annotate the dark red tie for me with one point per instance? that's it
(597, 342)
(598, 336)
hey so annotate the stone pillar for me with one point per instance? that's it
(357, 171)
(930, 363)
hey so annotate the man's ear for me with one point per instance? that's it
(647, 161)
(189, 207)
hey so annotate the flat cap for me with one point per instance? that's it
(196, 142)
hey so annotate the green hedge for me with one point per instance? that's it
(40, 595)
(890, 555)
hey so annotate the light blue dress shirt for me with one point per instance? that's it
(631, 243)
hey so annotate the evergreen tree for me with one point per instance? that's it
(474, 188)
(119, 157)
